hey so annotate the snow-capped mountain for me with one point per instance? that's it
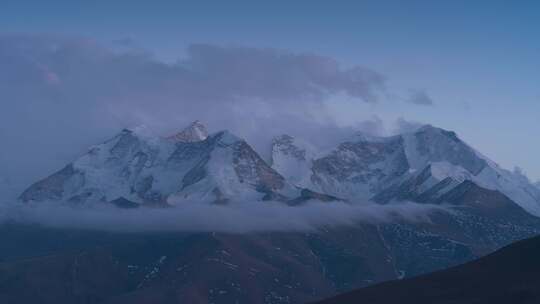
(425, 163)
(152, 170)
(422, 165)
(484, 208)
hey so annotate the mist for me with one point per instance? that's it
(240, 217)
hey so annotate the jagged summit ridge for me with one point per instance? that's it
(429, 144)
(196, 131)
(219, 167)
(428, 161)
(155, 170)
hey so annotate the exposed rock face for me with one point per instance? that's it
(194, 132)
(250, 167)
(308, 195)
(422, 165)
(355, 170)
(421, 187)
(227, 167)
(292, 159)
(284, 144)
(51, 188)
(120, 167)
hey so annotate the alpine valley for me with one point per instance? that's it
(480, 207)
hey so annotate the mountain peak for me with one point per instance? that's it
(434, 131)
(196, 131)
(283, 139)
(226, 137)
(430, 144)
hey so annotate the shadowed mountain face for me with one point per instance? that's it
(509, 275)
(58, 266)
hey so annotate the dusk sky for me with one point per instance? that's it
(473, 68)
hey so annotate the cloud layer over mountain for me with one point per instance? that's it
(242, 217)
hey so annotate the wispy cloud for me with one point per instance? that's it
(235, 218)
(420, 97)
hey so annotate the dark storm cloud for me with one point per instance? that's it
(58, 95)
(420, 97)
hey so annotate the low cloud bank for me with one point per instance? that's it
(235, 218)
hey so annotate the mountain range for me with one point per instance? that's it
(419, 166)
(482, 208)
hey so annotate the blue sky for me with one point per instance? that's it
(477, 61)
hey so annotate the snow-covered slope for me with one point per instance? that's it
(292, 159)
(228, 168)
(154, 170)
(427, 162)
(420, 165)
(450, 157)
(356, 169)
